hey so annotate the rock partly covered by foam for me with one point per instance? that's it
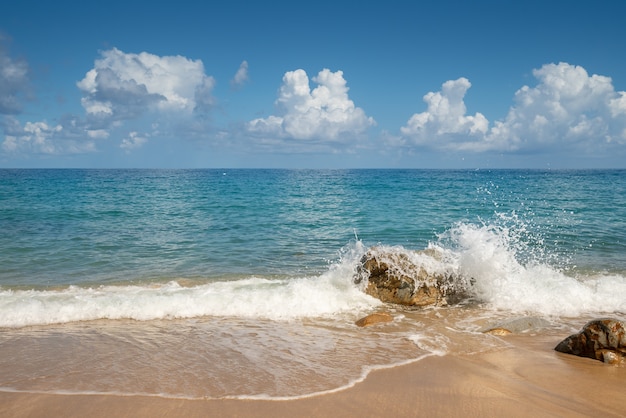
(411, 278)
(373, 319)
(516, 326)
(600, 339)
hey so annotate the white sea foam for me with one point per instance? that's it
(493, 258)
(491, 254)
(278, 299)
(505, 266)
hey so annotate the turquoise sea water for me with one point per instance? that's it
(90, 227)
(158, 247)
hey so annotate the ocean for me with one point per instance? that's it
(239, 283)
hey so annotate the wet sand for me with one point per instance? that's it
(527, 379)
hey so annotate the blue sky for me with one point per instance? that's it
(325, 84)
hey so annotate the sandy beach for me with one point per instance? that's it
(526, 379)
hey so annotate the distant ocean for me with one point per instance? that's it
(239, 283)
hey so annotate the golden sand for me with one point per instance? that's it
(527, 379)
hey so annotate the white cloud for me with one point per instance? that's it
(119, 87)
(14, 82)
(98, 133)
(618, 105)
(567, 108)
(45, 139)
(133, 141)
(123, 86)
(324, 114)
(33, 137)
(241, 76)
(446, 116)
(203, 95)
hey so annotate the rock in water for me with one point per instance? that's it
(600, 339)
(498, 331)
(373, 319)
(516, 325)
(411, 278)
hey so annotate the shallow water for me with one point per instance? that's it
(210, 357)
(212, 284)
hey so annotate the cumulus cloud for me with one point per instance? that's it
(446, 115)
(68, 136)
(133, 141)
(125, 85)
(43, 139)
(34, 137)
(568, 107)
(14, 81)
(241, 76)
(119, 87)
(324, 114)
(203, 96)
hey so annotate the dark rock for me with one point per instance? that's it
(411, 278)
(600, 339)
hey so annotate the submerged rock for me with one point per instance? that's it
(373, 319)
(498, 331)
(600, 339)
(516, 325)
(411, 278)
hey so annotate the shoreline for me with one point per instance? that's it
(528, 378)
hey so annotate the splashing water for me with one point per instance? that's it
(511, 270)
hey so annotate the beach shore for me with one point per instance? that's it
(527, 379)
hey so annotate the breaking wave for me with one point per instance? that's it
(507, 271)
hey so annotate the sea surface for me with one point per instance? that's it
(240, 283)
